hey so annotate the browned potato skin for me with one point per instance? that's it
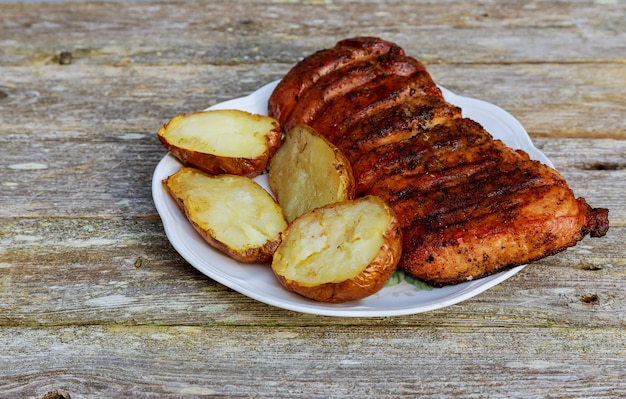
(366, 283)
(215, 164)
(251, 255)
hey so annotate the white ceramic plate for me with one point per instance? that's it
(401, 296)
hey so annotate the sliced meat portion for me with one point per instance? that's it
(436, 149)
(343, 80)
(342, 113)
(469, 205)
(497, 234)
(308, 71)
(395, 124)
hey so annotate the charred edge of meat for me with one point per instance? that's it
(312, 100)
(597, 221)
(318, 64)
(370, 43)
(341, 81)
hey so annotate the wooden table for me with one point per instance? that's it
(94, 302)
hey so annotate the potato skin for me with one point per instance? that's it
(215, 164)
(262, 254)
(251, 255)
(366, 283)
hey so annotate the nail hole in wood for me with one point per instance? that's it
(65, 58)
(590, 266)
(589, 298)
(603, 166)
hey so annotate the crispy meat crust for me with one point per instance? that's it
(342, 81)
(308, 71)
(468, 205)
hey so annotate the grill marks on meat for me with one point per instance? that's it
(343, 112)
(396, 123)
(507, 236)
(308, 71)
(468, 204)
(436, 149)
(342, 81)
(471, 191)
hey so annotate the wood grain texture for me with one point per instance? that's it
(281, 362)
(104, 102)
(227, 32)
(72, 278)
(95, 302)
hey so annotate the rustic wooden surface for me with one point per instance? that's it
(94, 302)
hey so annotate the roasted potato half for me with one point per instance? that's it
(232, 213)
(222, 141)
(340, 252)
(308, 172)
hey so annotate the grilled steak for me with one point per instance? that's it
(468, 204)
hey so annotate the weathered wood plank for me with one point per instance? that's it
(104, 102)
(313, 362)
(113, 178)
(98, 271)
(76, 178)
(550, 100)
(227, 32)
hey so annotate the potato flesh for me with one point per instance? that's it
(307, 173)
(332, 244)
(236, 210)
(228, 133)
